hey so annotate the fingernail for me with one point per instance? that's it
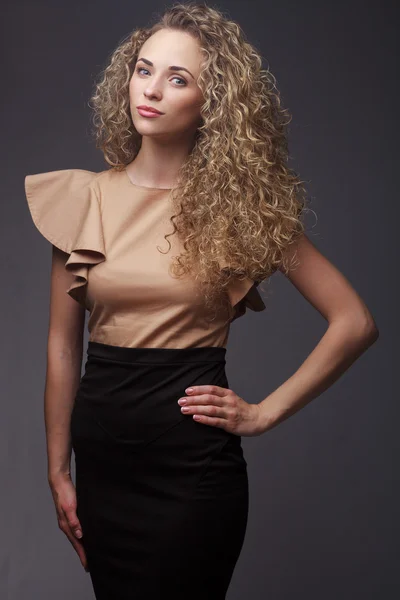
(188, 390)
(78, 533)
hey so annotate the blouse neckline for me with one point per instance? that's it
(144, 187)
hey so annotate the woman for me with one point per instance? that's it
(161, 497)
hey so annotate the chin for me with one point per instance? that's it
(142, 128)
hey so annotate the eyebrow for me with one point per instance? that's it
(172, 68)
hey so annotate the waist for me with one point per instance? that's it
(213, 354)
(132, 393)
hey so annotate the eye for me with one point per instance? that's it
(141, 69)
(180, 78)
(138, 69)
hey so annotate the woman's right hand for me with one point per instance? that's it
(64, 496)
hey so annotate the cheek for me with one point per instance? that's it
(186, 106)
(132, 88)
(135, 89)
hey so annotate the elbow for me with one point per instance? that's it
(361, 326)
(368, 331)
(372, 332)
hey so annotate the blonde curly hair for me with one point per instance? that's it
(238, 205)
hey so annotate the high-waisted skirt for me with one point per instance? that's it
(162, 498)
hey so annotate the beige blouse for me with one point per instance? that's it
(111, 228)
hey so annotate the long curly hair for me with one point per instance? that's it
(238, 205)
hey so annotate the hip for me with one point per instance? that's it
(127, 402)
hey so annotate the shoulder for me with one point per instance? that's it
(64, 181)
(65, 208)
(64, 203)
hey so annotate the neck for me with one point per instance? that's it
(157, 164)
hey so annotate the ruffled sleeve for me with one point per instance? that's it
(65, 208)
(243, 294)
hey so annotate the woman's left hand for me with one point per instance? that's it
(221, 407)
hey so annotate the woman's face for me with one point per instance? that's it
(174, 92)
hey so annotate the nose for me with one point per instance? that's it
(152, 95)
(152, 91)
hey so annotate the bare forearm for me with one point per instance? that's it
(343, 342)
(62, 379)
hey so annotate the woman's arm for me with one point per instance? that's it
(64, 361)
(350, 332)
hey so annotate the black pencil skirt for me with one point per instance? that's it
(162, 499)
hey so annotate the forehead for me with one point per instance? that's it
(169, 47)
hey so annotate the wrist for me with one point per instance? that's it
(266, 418)
(58, 475)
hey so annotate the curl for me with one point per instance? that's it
(236, 200)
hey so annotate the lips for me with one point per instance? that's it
(150, 109)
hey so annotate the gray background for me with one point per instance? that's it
(324, 484)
